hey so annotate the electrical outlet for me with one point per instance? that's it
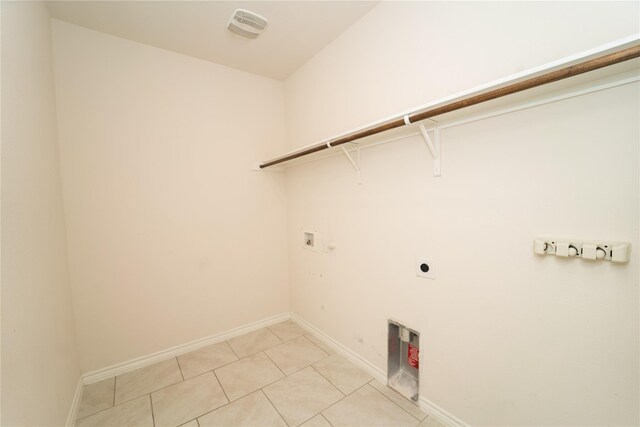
(424, 268)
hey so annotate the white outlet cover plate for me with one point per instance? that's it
(429, 274)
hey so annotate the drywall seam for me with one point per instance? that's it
(139, 362)
(75, 404)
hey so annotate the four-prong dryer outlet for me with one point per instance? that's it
(424, 268)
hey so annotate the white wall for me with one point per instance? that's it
(172, 236)
(40, 367)
(508, 338)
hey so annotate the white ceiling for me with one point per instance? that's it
(297, 30)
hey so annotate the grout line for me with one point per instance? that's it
(245, 395)
(418, 407)
(325, 418)
(115, 383)
(326, 409)
(304, 367)
(153, 417)
(90, 415)
(222, 388)
(149, 393)
(265, 353)
(267, 385)
(162, 388)
(222, 366)
(171, 385)
(383, 395)
(234, 352)
(315, 345)
(180, 368)
(208, 412)
(274, 407)
(153, 391)
(196, 418)
(268, 327)
(333, 351)
(330, 382)
(341, 399)
(114, 406)
(308, 419)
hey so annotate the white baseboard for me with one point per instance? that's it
(130, 365)
(426, 405)
(443, 416)
(75, 404)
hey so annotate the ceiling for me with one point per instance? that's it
(297, 30)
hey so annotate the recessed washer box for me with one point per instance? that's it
(403, 360)
(309, 239)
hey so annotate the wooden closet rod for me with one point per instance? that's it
(416, 116)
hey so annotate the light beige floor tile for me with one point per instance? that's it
(187, 400)
(135, 413)
(287, 330)
(295, 355)
(192, 423)
(317, 341)
(254, 342)
(431, 422)
(400, 400)
(252, 410)
(317, 421)
(145, 380)
(302, 395)
(342, 373)
(368, 407)
(206, 359)
(97, 397)
(247, 375)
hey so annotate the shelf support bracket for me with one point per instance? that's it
(434, 147)
(354, 163)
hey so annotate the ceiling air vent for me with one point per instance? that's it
(247, 24)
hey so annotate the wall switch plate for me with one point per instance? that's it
(424, 268)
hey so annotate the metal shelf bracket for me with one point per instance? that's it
(434, 146)
(354, 163)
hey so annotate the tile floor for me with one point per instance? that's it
(275, 376)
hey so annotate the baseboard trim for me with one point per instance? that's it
(130, 365)
(437, 412)
(75, 403)
(426, 405)
(371, 369)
